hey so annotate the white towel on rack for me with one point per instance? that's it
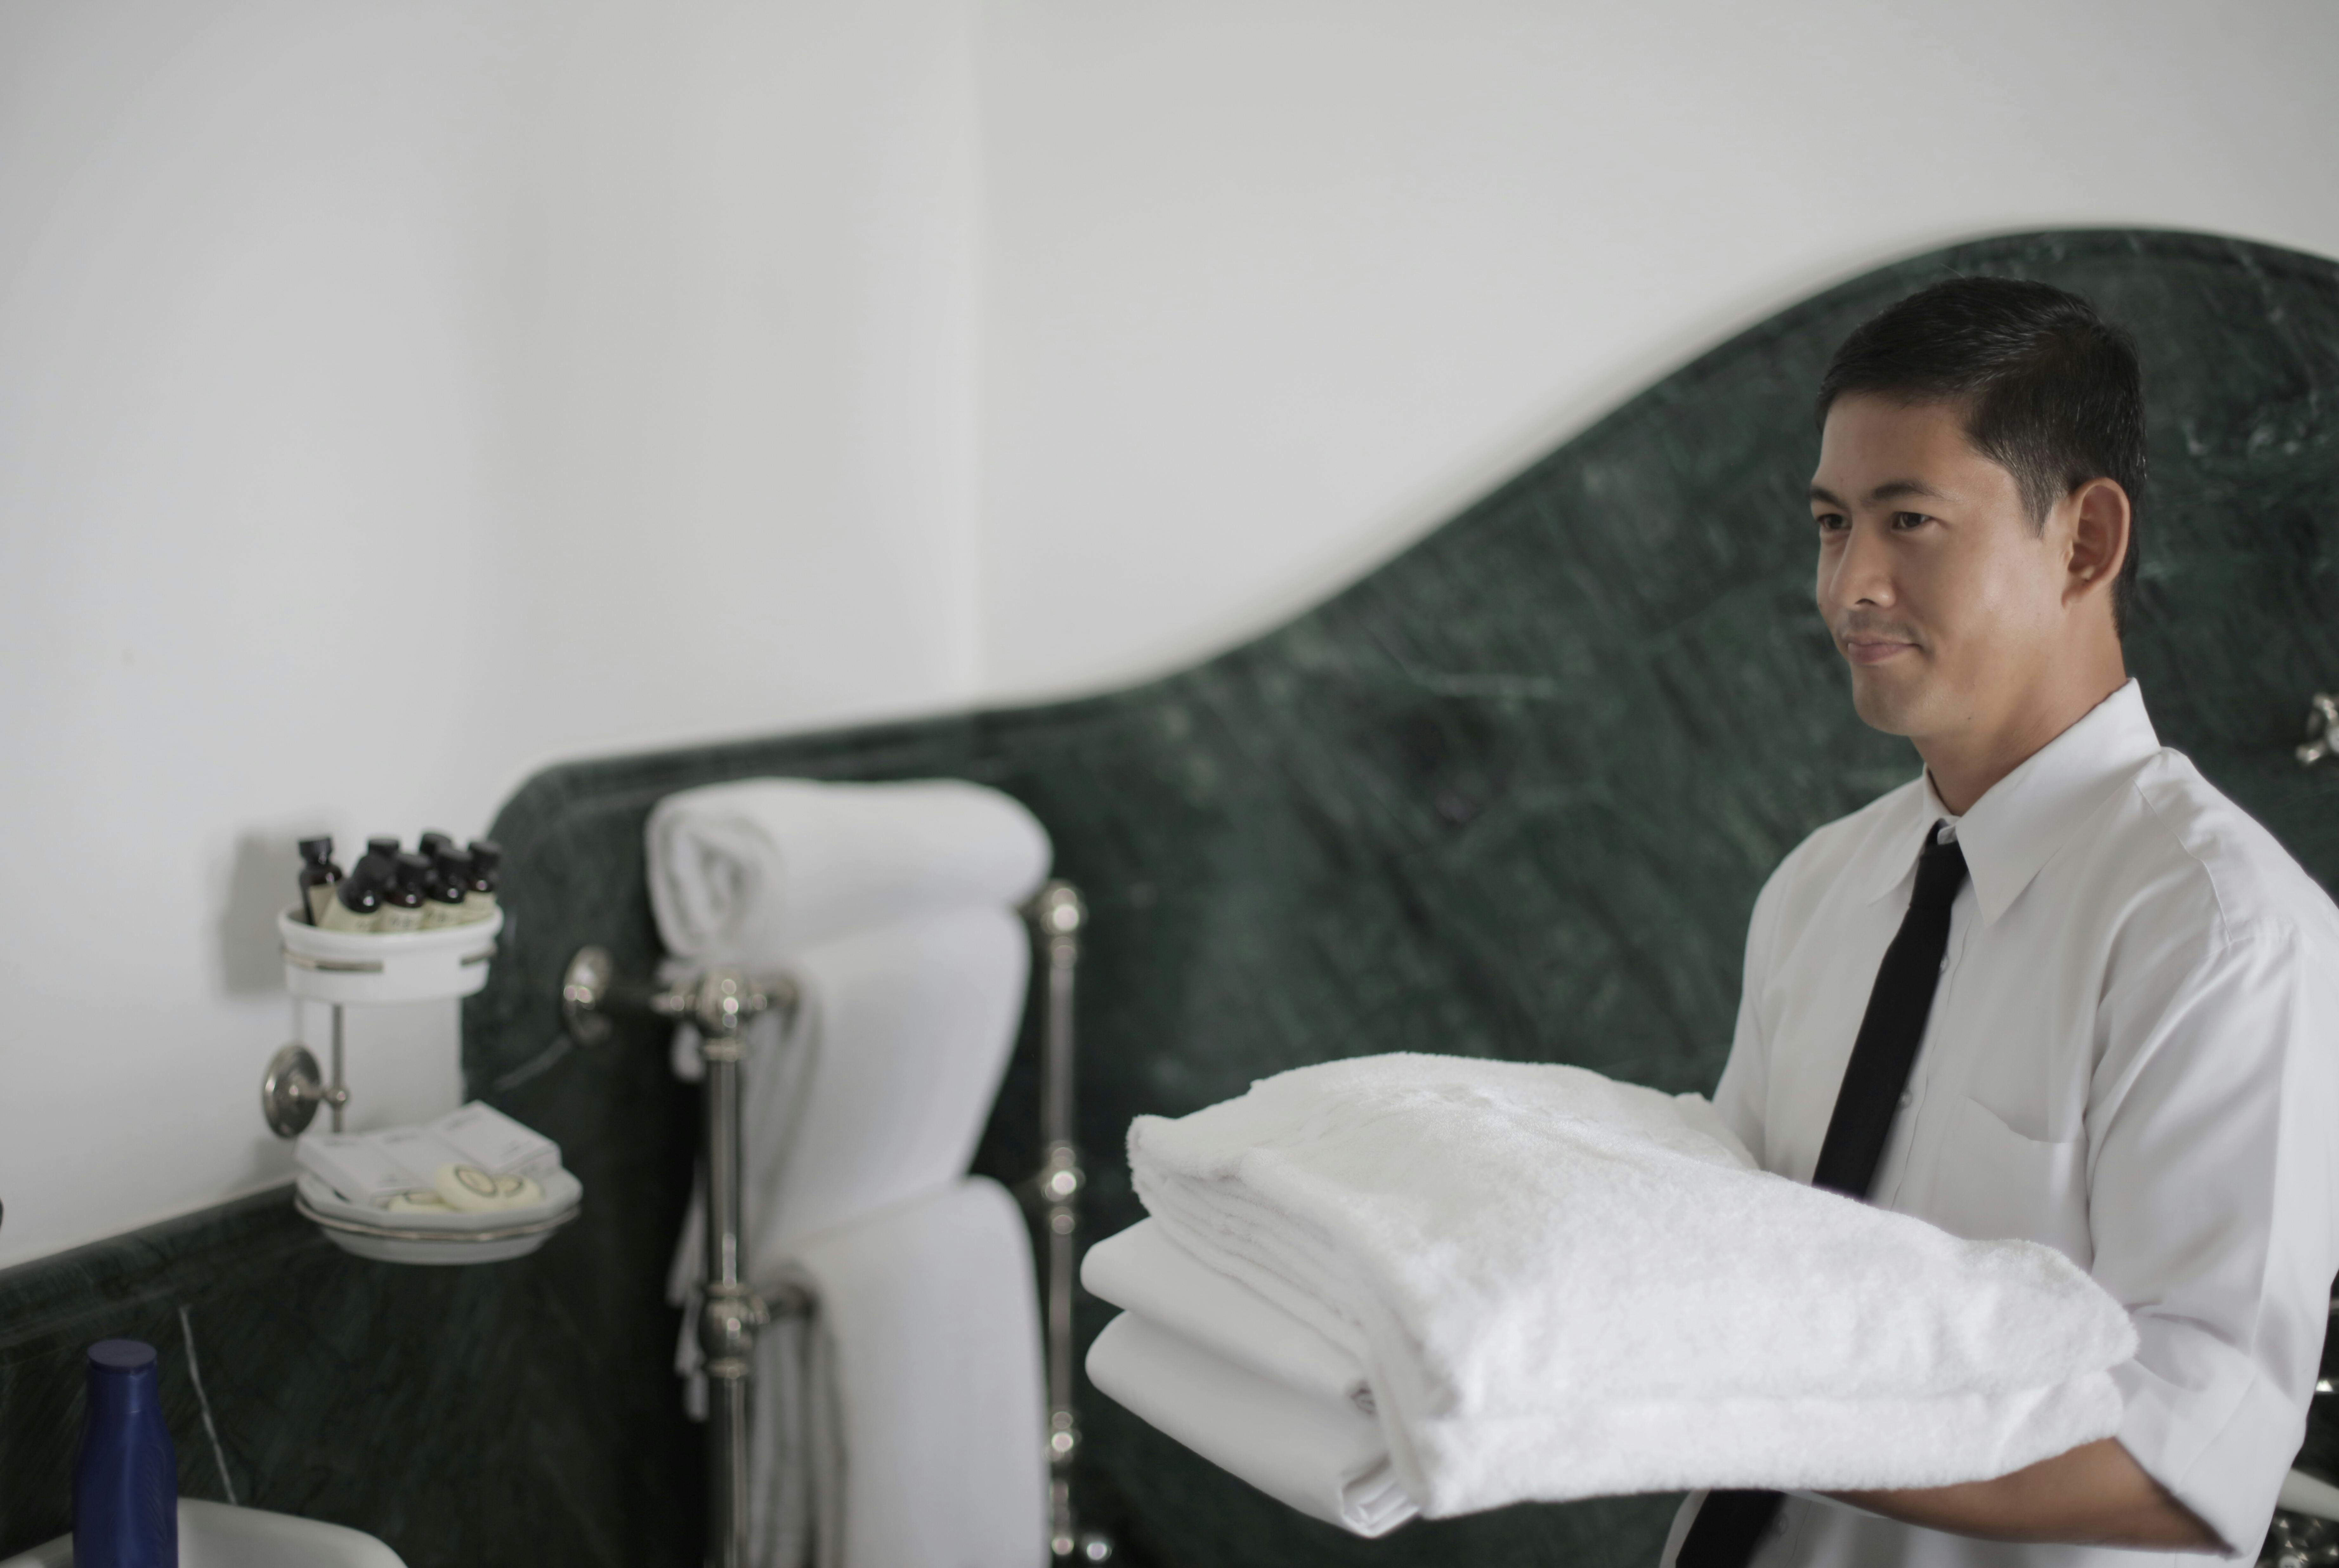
(746, 874)
(1320, 1456)
(883, 1087)
(1562, 1286)
(905, 1425)
(902, 1033)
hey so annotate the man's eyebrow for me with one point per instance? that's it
(1890, 490)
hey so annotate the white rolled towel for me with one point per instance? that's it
(1562, 1287)
(1319, 1455)
(747, 873)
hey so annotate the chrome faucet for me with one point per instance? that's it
(2322, 730)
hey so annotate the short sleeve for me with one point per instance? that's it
(2212, 1211)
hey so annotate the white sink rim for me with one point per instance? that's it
(220, 1535)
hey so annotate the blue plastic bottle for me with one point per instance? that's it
(127, 1475)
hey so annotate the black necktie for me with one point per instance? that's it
(1731, 1523)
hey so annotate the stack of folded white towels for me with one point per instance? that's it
(903, 1424)
(1417, 1284)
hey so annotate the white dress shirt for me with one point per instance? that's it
(2133, 1057)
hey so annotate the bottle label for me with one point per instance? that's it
(394, 918)
(322, 898)
(436, 915)
(339, 917)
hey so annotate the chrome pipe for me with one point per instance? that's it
(1059, 915)
(339, 1095)
(730, 1313)
(720, 1004)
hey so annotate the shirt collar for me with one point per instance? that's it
(2025, 817)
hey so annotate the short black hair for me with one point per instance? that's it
(2052, 391)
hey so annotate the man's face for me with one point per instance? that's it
(1938, 593)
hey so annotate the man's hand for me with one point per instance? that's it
(2096, 1495)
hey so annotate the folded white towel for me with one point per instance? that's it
(905, 1427)
(1143, 1270)
(1193, 1334)
(745, 873)
(1319, 1455)
(1561, 1286)
(881, 1090)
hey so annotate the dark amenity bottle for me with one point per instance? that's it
(449, 886)
(402, 900)
(126, 1476)
(379, 864)
(356, 903)
(318, 875)
(487, 856)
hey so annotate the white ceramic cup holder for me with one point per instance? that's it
(348, 966)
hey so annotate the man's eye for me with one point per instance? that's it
(1904, 521)
(1832, 522)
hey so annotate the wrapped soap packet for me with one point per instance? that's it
(488, 1139)
(354, 1165)
(403, 1167)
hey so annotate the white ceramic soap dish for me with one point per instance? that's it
(434, 1238)
(348, 966)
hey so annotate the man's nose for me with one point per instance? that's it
(1863, 569)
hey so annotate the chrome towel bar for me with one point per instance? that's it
(721, 1003)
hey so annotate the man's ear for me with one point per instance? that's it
(2099, 525)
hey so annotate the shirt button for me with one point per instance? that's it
(1907, 1099)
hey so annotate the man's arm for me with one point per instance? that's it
(2097, 1495)
(2211, 1216)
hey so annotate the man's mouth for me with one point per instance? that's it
(1874, 650)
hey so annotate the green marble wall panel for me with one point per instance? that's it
(464, 1415)
(1511, 795)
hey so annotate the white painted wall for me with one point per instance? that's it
(1274, 287)
(393, 396)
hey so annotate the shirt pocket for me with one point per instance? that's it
(1991, 1183)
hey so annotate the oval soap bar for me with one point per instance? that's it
(421, 1200)
(474, 1191)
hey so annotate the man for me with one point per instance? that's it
(2123, 1040)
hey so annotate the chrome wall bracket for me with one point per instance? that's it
(591, 995)
(294, 1088)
